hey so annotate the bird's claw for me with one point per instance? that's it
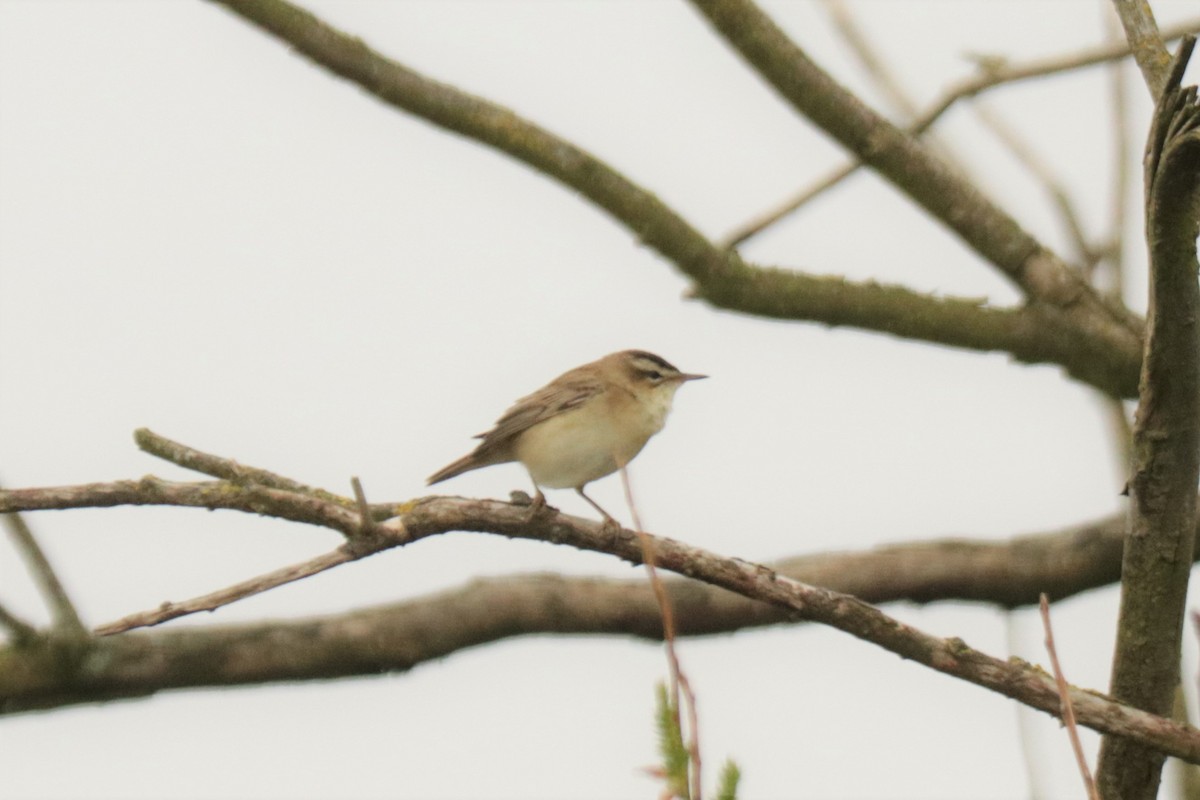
(610, 526)
(537, 504)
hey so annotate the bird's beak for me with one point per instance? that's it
(688, 377)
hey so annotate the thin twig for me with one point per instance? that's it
(867, 54)
(1068, 712)
(1145, 42)
(240, 474)
(208, 464)
(883, 75)
(230, 594)
(995, 75)
(679, 681)
(66, 618)
(1187, 776)
(366, 519)
(1031, 755)
(1023, 151)
(1114, 253)
(22, 632)
(1196, 626)
(1122, 164)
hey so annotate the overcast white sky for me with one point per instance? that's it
(204, 234)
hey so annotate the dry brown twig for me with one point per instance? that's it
(1086, 255)
(1146, 42)
(992, 74)
(359, 526)
(1113, 253)
(66, 618)
(230, 594)
(1068, 712)
(885, 80)
(679, 681)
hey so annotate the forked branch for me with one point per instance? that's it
(35, 677)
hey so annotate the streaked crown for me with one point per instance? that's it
(647, 368)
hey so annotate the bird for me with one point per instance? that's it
(585, 424)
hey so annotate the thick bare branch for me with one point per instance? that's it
(1097, 349)
(1166, 464)
(1037, 333)
(640, 211)
(1009, 573)
(903, 160)
(119, 665)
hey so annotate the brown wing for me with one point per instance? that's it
(562, 394)
(569, 390)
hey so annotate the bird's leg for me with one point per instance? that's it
(538, 504)
(609, 520)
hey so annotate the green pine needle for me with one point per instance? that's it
(670, 745)
(676, 759)
(728, 782)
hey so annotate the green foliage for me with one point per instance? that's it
(670, 745)
(728, 782)
(676, 758)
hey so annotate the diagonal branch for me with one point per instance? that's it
(908, 164)
(996, 74)
(1024, 152)
(241, 474)
(1105, 345)
(121, 666)
(1068, 713)
(1007, 573)
(231, 594)
(1145, 42)
(26, 682)
(651, 220)
(66, 618)
(1166, 463)
(1037, 333)
(217, 466)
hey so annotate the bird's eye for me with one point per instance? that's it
(654, 375)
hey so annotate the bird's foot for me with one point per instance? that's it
(537, 504)
(610, 526)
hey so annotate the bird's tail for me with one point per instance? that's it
(464, 464)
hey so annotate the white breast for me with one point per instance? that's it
(587, 443)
